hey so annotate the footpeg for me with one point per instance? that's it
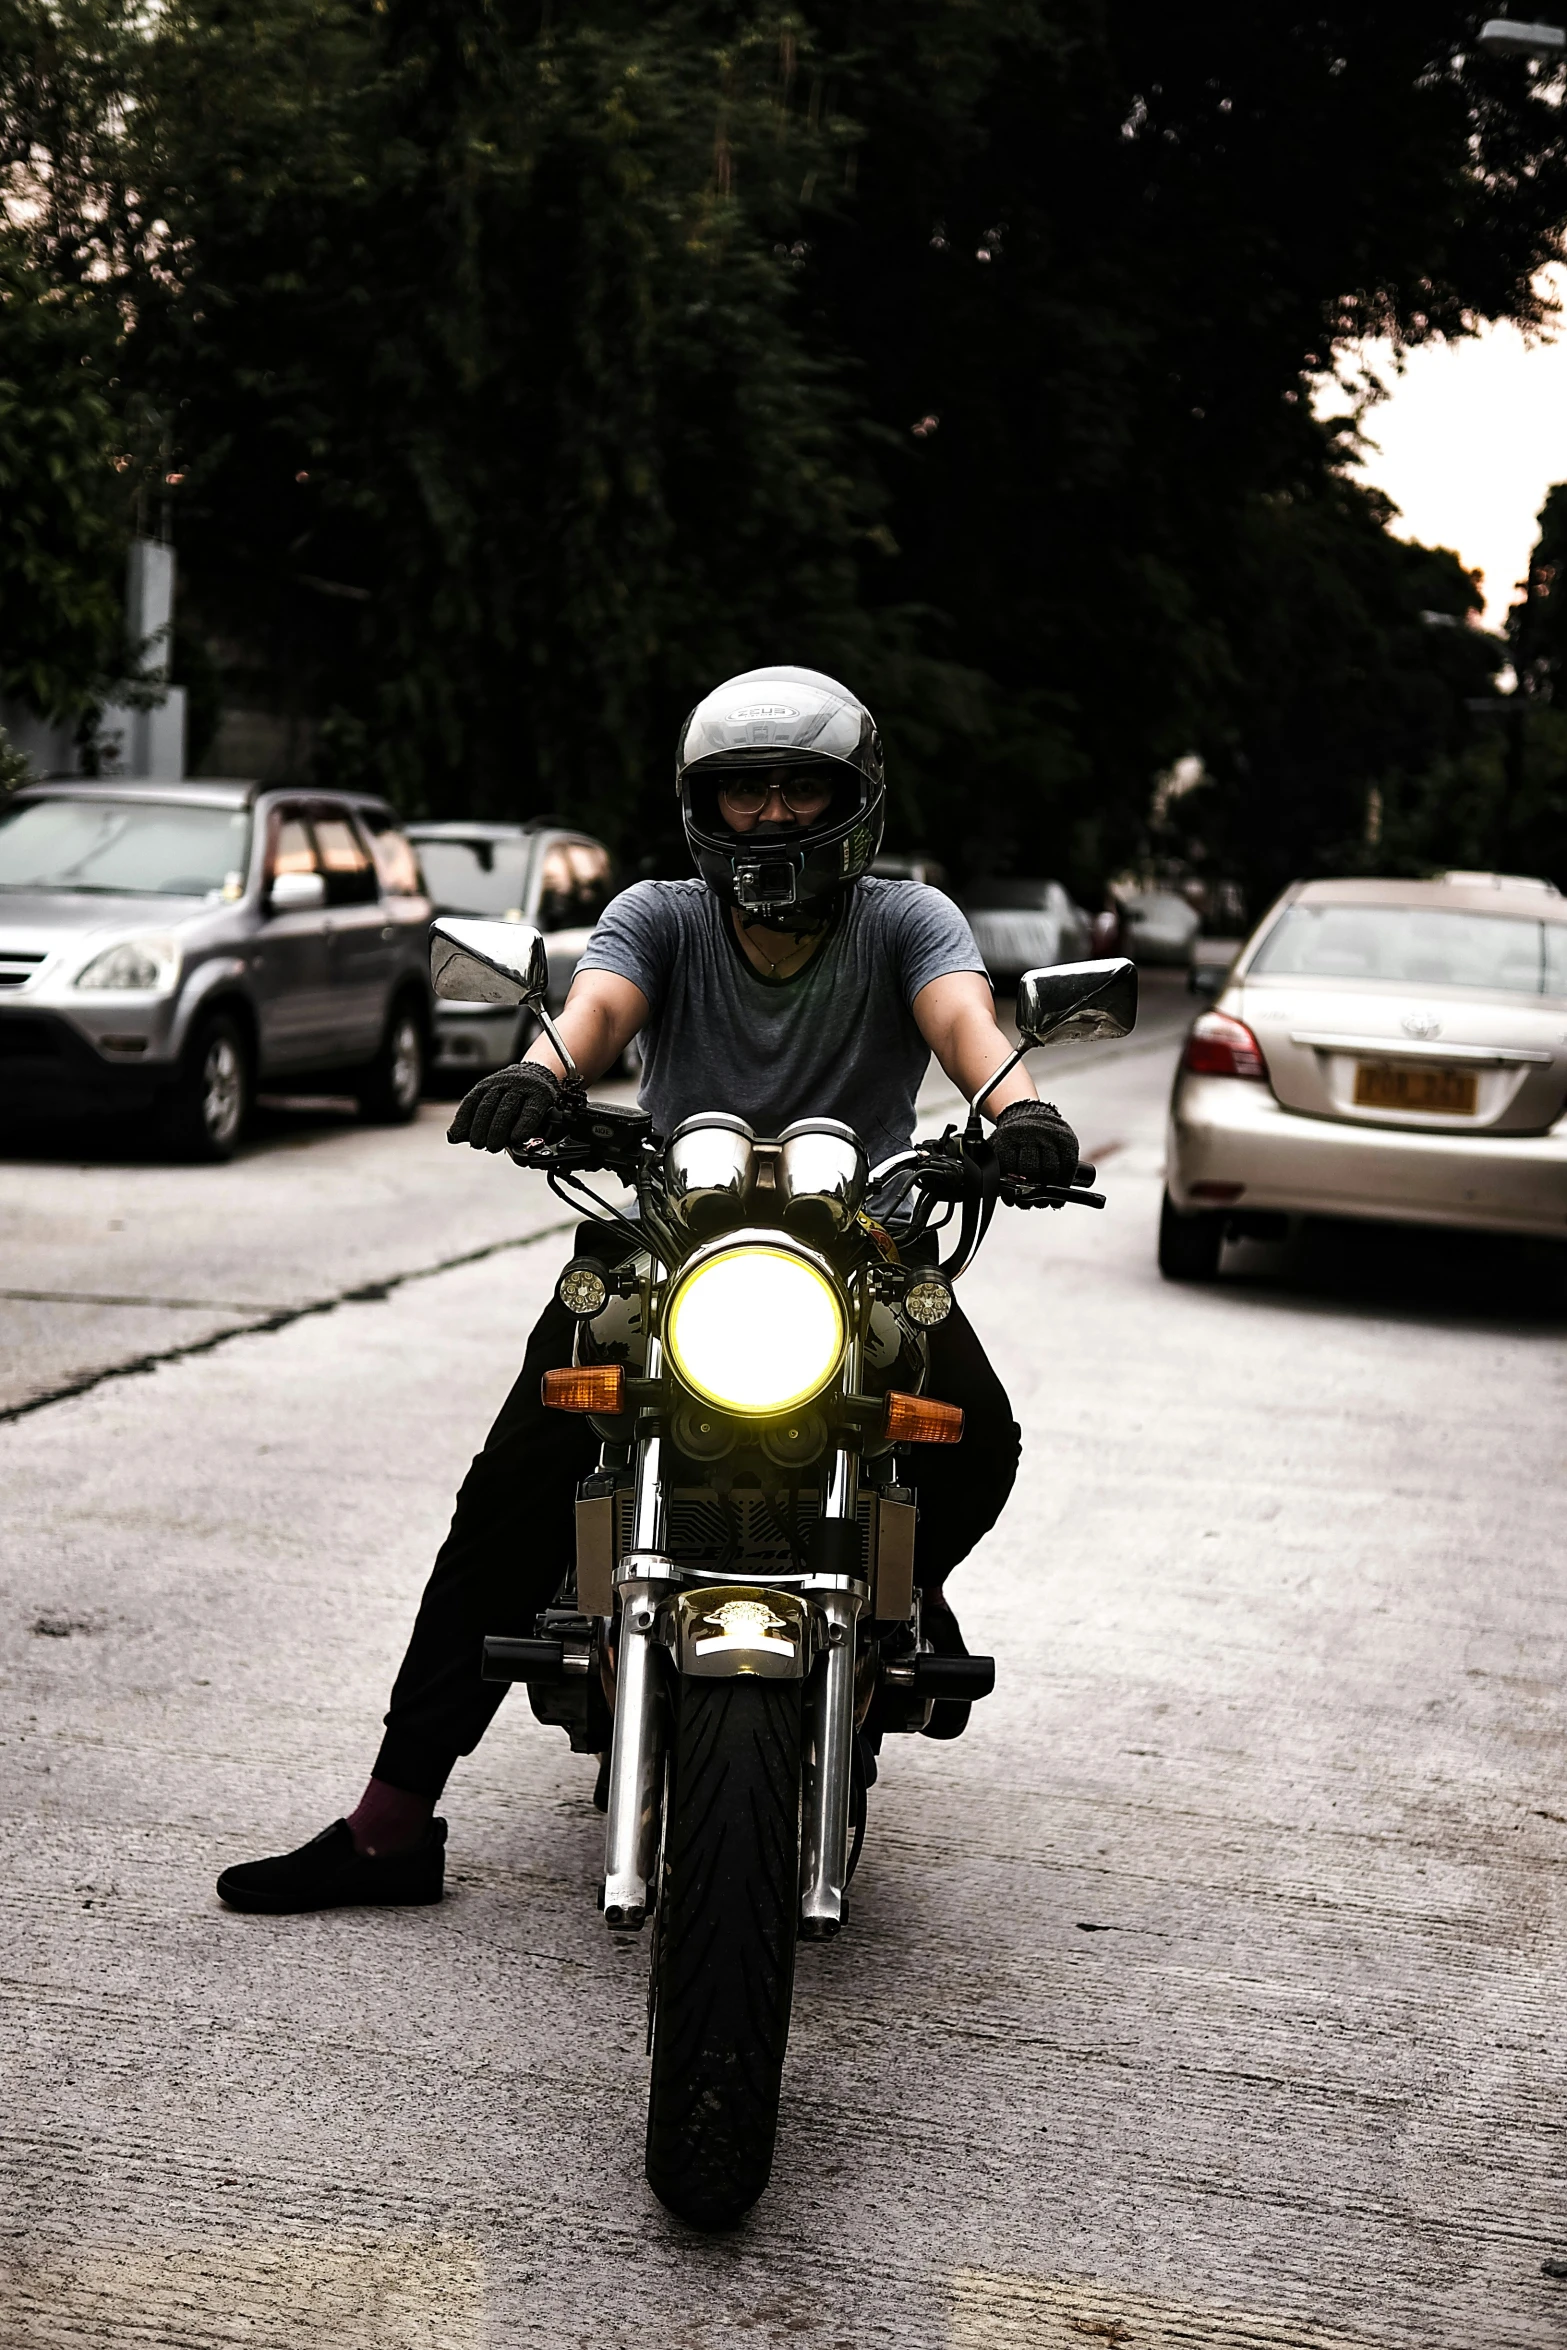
(506, 1659)
(960, 1677)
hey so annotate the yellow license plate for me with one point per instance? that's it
(1449, 1093)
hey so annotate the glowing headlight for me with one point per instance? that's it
(149, 965)
(755, 1330)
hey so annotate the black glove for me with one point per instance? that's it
(511, 1106)
(1034, 1144)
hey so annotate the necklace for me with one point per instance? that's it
(801, 946)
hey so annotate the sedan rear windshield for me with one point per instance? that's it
(477, 876)
(1417, 946)
(124, 848)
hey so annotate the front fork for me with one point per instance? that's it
(642, 1578)
(837, 1591)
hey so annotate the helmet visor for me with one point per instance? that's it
(808, 795)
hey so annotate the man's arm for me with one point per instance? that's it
(514, 1105)
(957, 1020)
(603, 1012)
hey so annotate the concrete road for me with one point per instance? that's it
(109, 1259)
(1209, 1992)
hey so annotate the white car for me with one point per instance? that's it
(1158, 926)
(1395, 1050)
(1022, 925)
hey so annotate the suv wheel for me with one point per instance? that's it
(390, 1089)
(204, 1115)
(1189, 1245)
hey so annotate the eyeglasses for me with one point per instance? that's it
(806, 797)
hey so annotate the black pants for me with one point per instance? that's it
(513, 1536)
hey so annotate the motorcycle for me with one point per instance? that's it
(742, 1623)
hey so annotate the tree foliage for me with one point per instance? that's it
(525, 368)
(64, 515)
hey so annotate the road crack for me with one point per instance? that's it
(364, 1293)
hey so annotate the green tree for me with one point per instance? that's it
(1094, 258)
(64, 513)
(494, 428)
(523, 371)
(1525, 809)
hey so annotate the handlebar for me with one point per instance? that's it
(586, 1135)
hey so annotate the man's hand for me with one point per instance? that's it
(1034, 1144)
(509, 1107)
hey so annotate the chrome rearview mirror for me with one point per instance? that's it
(495, 963)
(488, 962)
(1078, 1003)
(1069, 1003)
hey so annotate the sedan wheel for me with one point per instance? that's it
(1189, 1245)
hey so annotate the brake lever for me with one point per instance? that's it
(1050, 1195)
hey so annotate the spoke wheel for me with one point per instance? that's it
(724, 1963)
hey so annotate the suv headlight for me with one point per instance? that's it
(755, 1330)
(149, 965)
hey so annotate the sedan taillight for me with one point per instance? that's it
(1220, 1046)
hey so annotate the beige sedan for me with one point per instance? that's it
(1395, 1050)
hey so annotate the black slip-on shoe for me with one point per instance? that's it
(328, 1873)
(949, 1715)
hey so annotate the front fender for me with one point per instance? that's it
(730, 1629)
(227, 974)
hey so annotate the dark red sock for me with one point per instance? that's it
(389, 1819)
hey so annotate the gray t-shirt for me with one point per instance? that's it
(838, 1040)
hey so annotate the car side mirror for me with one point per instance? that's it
(488, 962)
(295, 893)
(1078, 1003)
(1207, 979)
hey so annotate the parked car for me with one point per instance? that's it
(1158, 926)
(1395, 1050)
(1019, 924)
(558, 880)
(171, 946)
(918, 867)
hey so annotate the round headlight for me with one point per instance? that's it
(755, 1330)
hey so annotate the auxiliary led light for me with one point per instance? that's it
(582, 1289)
(928, 1302)
(755, 1330)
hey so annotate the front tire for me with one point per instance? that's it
(390, 1090)
(202, 1118)
(724, 1965)
(1189, 1245)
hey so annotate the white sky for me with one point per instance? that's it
(1469, 440)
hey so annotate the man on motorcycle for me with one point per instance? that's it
(784, 982)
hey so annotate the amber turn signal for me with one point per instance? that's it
(588, 1387)
(914, 1419)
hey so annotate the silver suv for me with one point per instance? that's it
(171, 946)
